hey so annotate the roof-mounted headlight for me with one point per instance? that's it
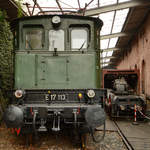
(90, 93)
(19, 93)
(56, 20)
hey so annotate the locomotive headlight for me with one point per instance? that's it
(56, 20)
(19, 93)
(80, 95)
(90, 93)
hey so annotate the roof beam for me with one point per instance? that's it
(59, 6)
(15, 4)
(109, 63)
(103, 63)
(38, 6)
(114, 49)
(86, 5)
(110, 49)
(108, 57)
(130, 4)
(27, 5)
(79, 4)
(121, 34)
(33, 7)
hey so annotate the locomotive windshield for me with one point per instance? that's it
(33, 38)
(56, 40)
(79, 39)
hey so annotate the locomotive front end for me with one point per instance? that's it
(57, 74)
(52, 110)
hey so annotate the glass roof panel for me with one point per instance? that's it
(121, 1)
(104, 54)
(104, 43)
(107, 2)
(104, 65)
(107, 60)
(109, 53)
(113, 42)
(107, 19)
(119, 20)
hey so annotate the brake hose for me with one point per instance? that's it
(93, 137)
(34, 128)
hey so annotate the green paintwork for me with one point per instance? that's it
(55, 72)
(41, 69)
(24, 71)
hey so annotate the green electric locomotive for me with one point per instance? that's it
(56, 74)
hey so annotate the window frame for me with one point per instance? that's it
(64, 39)
(88, 38)
(26, 28)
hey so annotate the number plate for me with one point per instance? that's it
(54, 97)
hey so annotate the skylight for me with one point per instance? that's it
(113, 42)
(104, 43)
(109, 53)
(113, 23)
(121, 1)
(119, 20)
(107, 60)
(107, 20)
(108, 2)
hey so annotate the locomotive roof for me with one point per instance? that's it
(96, 20)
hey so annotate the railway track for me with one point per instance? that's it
(118, 137)
(125, 140)
(135, 137)
(117, 130)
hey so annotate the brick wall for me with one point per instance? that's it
(139, 57)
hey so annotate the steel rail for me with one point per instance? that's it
(125, 140)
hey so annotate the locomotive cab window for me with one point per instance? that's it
(56, 40)
(79, 38)
(34, 38)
